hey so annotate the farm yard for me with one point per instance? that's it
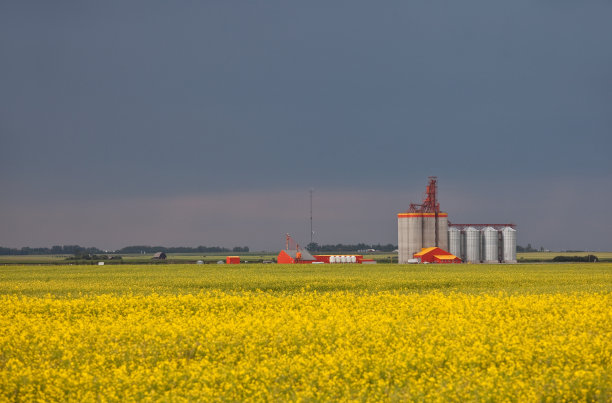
(253, 257)
(302, 332)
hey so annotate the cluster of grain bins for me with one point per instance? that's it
(425, 225)
(422, 225)
(483, 243)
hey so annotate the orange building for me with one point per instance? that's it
(435, 255)
(291, 256)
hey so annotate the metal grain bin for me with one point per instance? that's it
(509, 244)
(472, 245)
(454, 241)
(491, 251)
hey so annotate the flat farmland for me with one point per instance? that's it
(306, 332)
(61, 281)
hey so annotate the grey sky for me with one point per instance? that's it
(191, 123)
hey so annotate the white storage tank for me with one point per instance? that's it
(332, 259)
(343, 259)
(353, 259)
(472, 245)
(491, 252)
(509, 244)
(454, 241)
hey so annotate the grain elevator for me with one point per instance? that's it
(425, 225)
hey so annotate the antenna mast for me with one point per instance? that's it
(311, 232)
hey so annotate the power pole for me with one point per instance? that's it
(311, 233)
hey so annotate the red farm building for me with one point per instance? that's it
(435, 255)
(232, 260)
(292, 256)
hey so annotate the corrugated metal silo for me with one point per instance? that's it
(472, 245)
(443, 231)
(402, 238)
(491, 251)
(462, 240)
(454, 241)
(415, 234)
(429, 230)
(509, 244)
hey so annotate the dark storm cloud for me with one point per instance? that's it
(128, 101)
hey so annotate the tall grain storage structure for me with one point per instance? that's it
(491, 251)
(443, 231)
(463, 247)
(509, 244)
(402, 238)
(415, 233)
(409, 235)
(454, 241)
(422, 225)
(472, 245)
(429, 230)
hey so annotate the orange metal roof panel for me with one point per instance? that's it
(425, 251)
(445, 257)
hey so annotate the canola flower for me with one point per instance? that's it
(307, 346)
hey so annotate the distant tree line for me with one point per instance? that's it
(180, 249)
(589, 258)
(54, 250)
(315, 247)
(528, 248)
(84, 251)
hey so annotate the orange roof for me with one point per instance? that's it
(425, 251)
(445, 257)
(404, 215)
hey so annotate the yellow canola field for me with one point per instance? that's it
(335, 346)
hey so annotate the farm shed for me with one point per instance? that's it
(232, 260)
(291, 256)
(435, 255)
(159, 256)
